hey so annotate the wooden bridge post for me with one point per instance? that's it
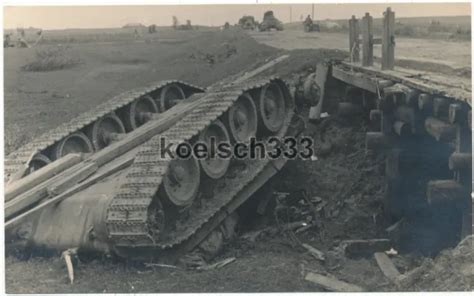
(367, 41)
(388, 40)
(354, 39)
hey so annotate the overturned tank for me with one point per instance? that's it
(103, 182)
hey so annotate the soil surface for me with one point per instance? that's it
(344, 184)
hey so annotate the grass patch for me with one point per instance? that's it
(52, 59)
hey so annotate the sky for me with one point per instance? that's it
(60, 17)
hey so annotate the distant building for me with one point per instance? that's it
(134, 25)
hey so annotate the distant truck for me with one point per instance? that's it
(270, 22)
(247, 22)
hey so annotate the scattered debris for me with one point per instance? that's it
(387, 267)
(391, 252)
(315, 252)
(67, 255)
(332, 284)
(161, 265)
(364, 248)
(217, 265)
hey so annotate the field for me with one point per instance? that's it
(97, 68)
(448, 57)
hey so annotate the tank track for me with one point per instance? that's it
(19, 157)
(128, 220)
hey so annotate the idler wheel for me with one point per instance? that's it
(102, 131)
(170, 95)
(271, 108)
(214, 167)
(139, 112)
(242, 119)
(38, 161)
(74, 143)
(181, 182)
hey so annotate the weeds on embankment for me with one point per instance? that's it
(52, 59)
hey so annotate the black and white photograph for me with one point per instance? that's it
(244, 147)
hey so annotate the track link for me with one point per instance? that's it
(19, 157)
(128, 220)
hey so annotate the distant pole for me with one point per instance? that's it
(312, 11)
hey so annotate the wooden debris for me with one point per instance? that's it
(332, 284)
(315, 252)
(217, 265)
(460, 161)
(365, 248)
(387, 267)
(67, 258)
(425, 102)
(444, 192)
(440, 130)
(20, 186)
(409, 278)
(440, 107)
(456, 114)
(161, 265)
(375, 141)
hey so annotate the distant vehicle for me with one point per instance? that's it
(270, 22)
(188, 26)
(134, 25)
(247, 22)
(152, 29)
(309, 26)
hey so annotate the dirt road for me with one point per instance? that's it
(424, 54)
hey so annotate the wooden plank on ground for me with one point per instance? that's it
(387, 267)
(332, 284)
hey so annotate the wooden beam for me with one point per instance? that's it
(41, 175)
(456, 113)
(409, 78)
(367, 42)
(59, 184)
(332, 284)
(440, 192)
(388, 40)
(440, 130)
(407, 115)
(354, 32)
(460, 161)
(375, 141)
(10, 224)
(355, 78)
(387, 267)
(425, 102)
(440, 107)
(402, 129)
